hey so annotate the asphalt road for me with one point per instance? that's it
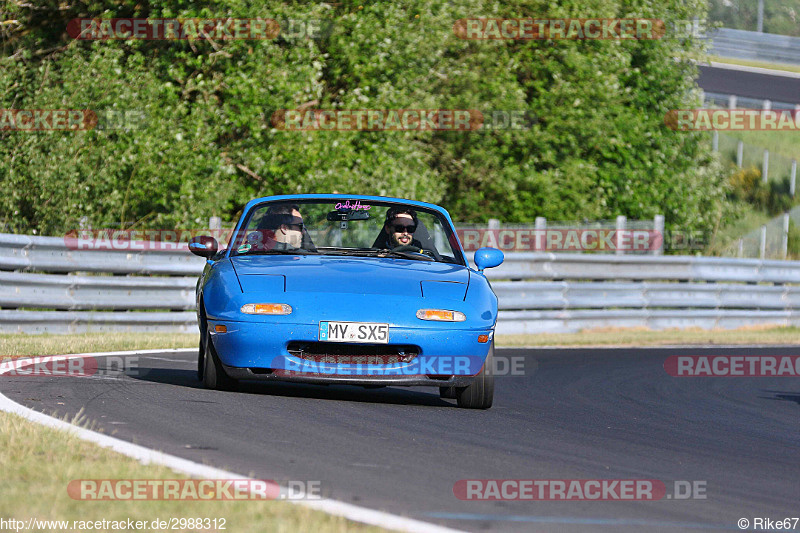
(763, 86)
(574, 414)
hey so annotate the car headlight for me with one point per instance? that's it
(442, 315)
(266, 309)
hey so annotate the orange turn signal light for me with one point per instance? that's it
(442, 315)
(266, 309)
(220, 329)
(483, 338)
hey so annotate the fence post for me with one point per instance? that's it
(540, 225)
(741, 248)
(785, 239)
(767, 105)
(739, 153)
(732, 101)
(658, 226)
(762, 252)
(765, 167)
(494, 223)
(621, 219)
(792, 177)
(715, 141)
(215, 223)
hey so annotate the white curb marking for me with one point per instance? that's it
(148, 456)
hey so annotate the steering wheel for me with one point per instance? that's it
(416, 249)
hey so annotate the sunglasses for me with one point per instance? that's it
(299, 226)
(400, 228)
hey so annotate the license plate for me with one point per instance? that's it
(354, 332)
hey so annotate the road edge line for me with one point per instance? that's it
(149, 456)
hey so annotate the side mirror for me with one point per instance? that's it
(203, 245)
(488, 258)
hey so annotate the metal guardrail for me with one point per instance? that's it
(538, 292)
(51, 254)
(742, 44)
(524, 266)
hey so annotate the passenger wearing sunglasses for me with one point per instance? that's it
(398, 229)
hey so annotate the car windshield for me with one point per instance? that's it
(348, 227)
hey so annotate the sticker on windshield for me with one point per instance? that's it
(244, 248)
(356, 205)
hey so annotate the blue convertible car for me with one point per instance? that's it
(361, 290)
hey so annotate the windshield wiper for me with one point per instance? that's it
(296, 251)
(373, 252)
(418, 256)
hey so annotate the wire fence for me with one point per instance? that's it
(777, 239)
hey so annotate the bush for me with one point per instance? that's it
(599, 149)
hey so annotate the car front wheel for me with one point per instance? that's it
(214, 376)
(480, 393)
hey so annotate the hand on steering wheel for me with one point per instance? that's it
(416, 249)
(407, 248)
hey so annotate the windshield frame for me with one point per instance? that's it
(430, 209)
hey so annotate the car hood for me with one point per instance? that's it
(351, 275)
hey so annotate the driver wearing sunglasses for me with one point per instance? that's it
(399, 228)
(281, 229)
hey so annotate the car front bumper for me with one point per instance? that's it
(259, 351)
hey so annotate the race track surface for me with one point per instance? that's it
(752, 85)
(574, 414)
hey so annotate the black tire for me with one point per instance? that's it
(214, 376)
(447, 392)
(201, 359)
(202, 350)
(480, 393)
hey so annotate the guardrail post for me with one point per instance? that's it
(767, 105)
(215, 223)
(740, 252)
(658, 227)
(494, 223)
(763, 244)
(739, 153)
(732, 101)
(621, 219)
(792, 177)
(715, 141)
(540, 225)
(765, 167)
(785, 239)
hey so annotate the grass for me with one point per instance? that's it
(38, 463)
(750, 63)
(15, 344)
(645, 337)
(726, 239)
